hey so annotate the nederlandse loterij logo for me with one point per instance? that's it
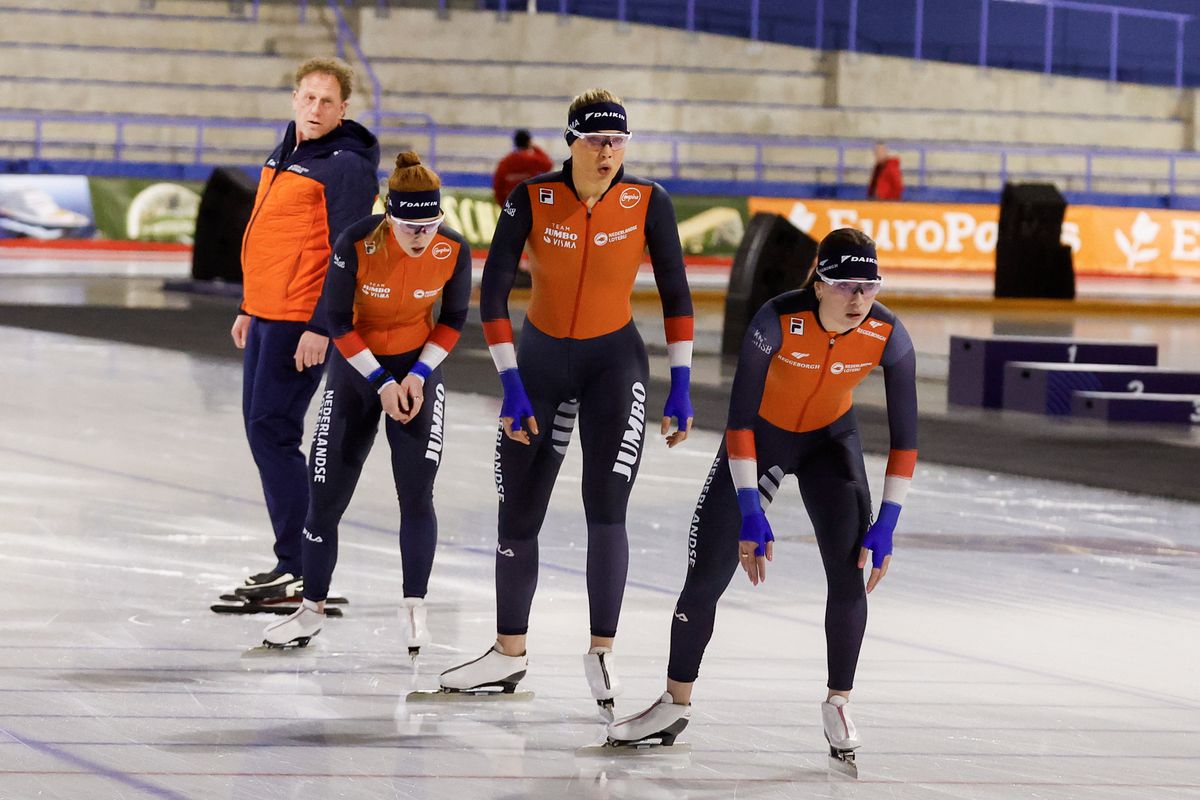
(1143, 232)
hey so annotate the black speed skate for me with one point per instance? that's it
(266, 585)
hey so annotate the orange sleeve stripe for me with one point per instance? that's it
(498, 331)
(740, 444)
(444, 337)
(901, 463)
(350, 345)
(679, 329)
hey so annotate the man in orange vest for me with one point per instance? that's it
(317, 181)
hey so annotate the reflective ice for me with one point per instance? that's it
(1031, 640)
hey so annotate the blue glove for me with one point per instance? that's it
(679, 401)
(879, 536)
(516, 403)
(755, 527)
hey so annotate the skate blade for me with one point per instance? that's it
(654, 747)
(264, 649)
(466, 695)
(265, 608)
(844, 766)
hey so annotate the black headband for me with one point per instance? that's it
(414, 205)
(840, 260)
(595, 118)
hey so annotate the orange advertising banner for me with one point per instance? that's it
(1125, 242)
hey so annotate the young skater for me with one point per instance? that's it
(388, 271)
(588, 226)
(791, 413)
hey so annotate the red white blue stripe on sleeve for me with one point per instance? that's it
(499, 336)
(898, 477)
(743, 468)
(355, 350)
(680, 332)
(439, 344)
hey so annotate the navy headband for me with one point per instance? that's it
(414, 205)
(840, 260)
(595, 118)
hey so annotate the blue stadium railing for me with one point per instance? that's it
(768, 165)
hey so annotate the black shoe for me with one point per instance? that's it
(271, 585)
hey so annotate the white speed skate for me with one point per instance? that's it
(841, 735)
(603, 680)
(295, 630)
(416, 632)
(655, 727)
(492, 676)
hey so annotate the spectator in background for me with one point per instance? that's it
(886, 181)
(527, 160)
(315, 183)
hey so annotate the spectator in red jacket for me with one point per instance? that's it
(526, 161)
(886, 182)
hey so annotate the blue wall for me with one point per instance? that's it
(1146, 52)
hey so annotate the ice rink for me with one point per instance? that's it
(1032, 640)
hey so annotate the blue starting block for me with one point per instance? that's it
(1043, 388)
(1181, 409)
(977, 362)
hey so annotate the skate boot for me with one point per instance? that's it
(841, 735)
(296, 630)
(605, 685)
(416, 633)
(271, 586)
(658, 725)
(493, 674)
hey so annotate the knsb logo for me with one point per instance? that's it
(441, 251)
(338, 262)
(631, 197)
(837, 368)
(600, 239)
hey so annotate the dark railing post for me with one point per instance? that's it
(754, 20)
(674, 158)
(919, 33)
(562, 7)
(759, 166)
(119, 144)
(691, 15)
(303, 11)
(819, 43)
(921, 168)
(37, 138)
(1003, 168)
(622, 10)
(984, 8)
(199, 143)
(1171, 175)
(1087, 171)
(1049, 54)
(1112, 45)
(841, 163)
(852, 32)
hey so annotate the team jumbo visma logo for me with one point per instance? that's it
(631, 197)
(441, 251)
